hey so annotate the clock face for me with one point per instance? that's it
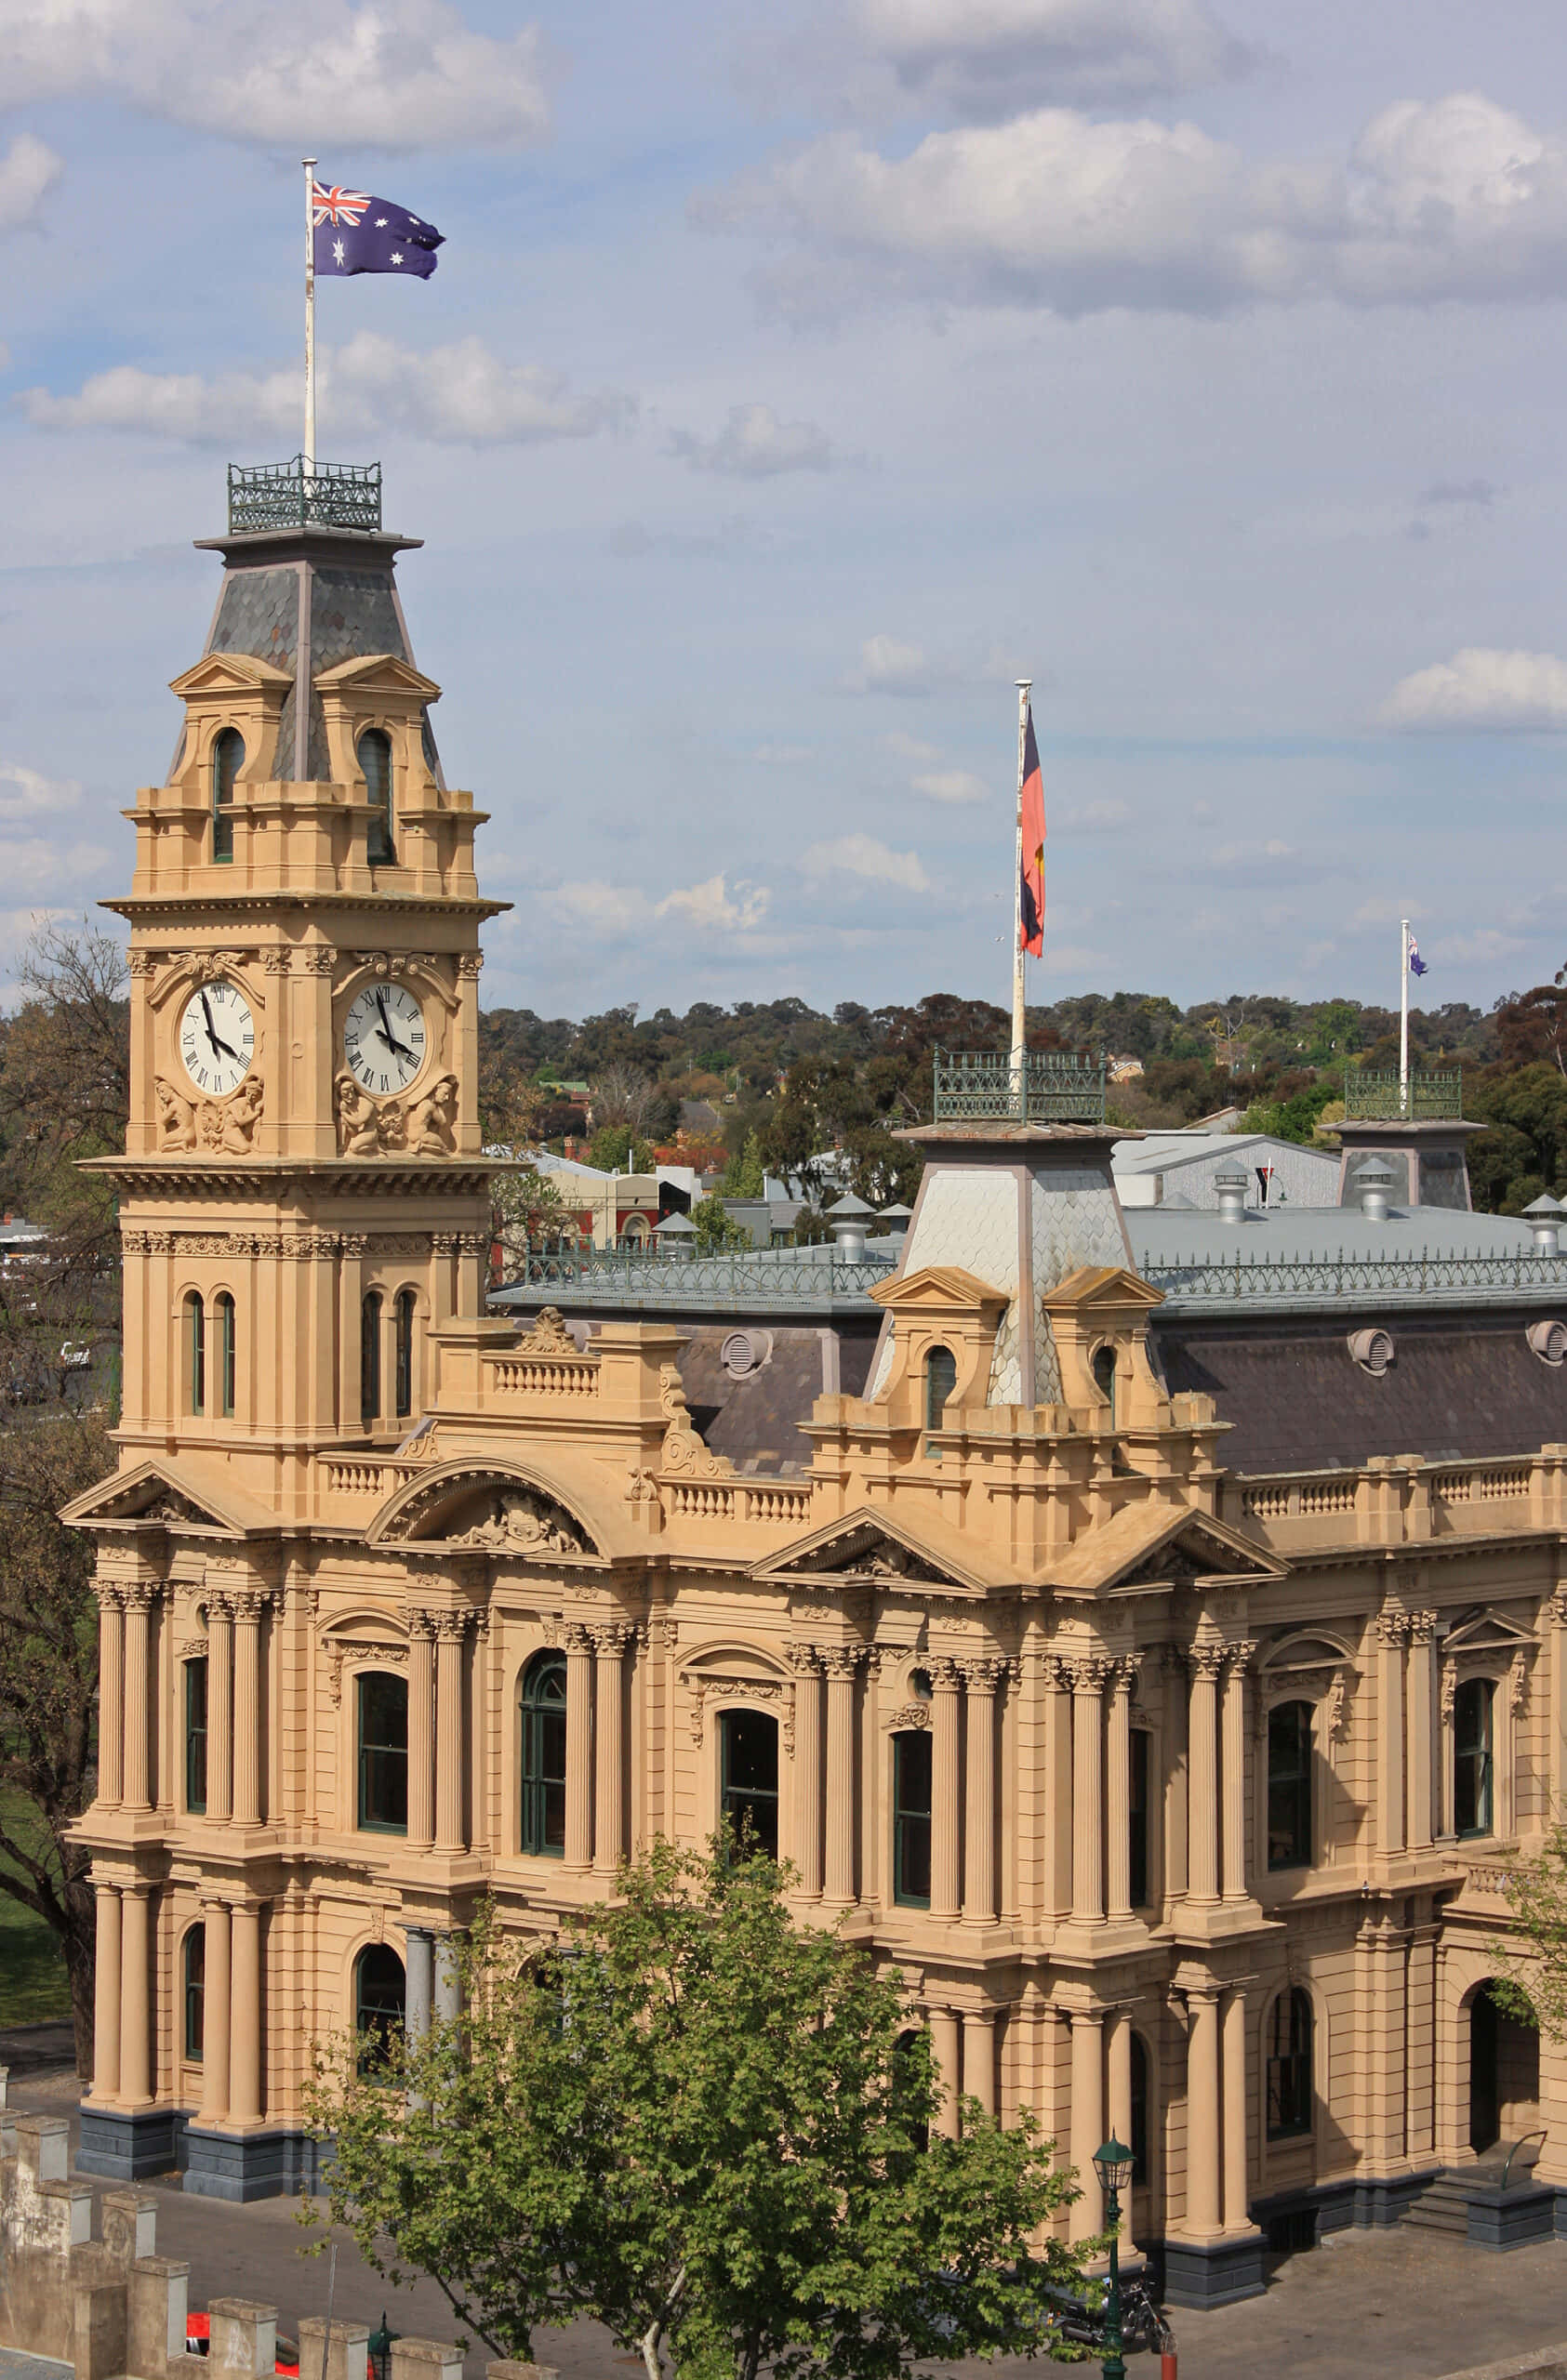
(217, 1038)
(383, 1038)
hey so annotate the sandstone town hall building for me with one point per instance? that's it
(1179, 1790)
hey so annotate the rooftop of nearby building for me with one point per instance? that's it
(1313, 1259)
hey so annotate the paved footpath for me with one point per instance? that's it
(1370, 2305)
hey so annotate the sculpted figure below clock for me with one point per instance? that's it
(217, 1038)
(384, 1037)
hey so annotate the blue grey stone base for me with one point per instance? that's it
(1220, 2275)
(129, 2148)
(1513, 2219)
(1378, 2205)
(242, 2166)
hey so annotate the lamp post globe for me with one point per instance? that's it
(1113, 2164)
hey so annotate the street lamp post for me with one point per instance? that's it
(1114, 2165)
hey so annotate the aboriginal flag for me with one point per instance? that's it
(1030, 912)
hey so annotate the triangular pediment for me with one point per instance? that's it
(1147, 1546)
(937, 1289)
(157, 1495)
(377, 673)
(1487, 1632)
(230, 673)
(870, 1548)
(1105, 1287)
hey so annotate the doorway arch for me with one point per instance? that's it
(1504, 2074)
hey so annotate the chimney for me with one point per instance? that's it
(1373, 1181)
(1544, 1217)
(1231, 1187)
(848, 1220)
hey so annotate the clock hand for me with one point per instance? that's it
(397, 1048)
(211, 1030)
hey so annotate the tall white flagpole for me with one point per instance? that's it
(309, 318)
(1403, 1016)
(1020, 1011)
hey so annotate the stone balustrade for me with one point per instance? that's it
(1401, 1500)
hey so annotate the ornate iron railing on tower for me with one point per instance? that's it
(1053, 1087)
(285, 496)
(1377, 1098)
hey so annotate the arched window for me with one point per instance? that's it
(404, 1386)
(225, 1319)
(1138, 2142)
(1138, 1818)
(228, 758)
(375, 759)
(1288, 2066)
(196, 1351)
(193, 1976)
(370, 1356)
(1289, 1785)
(941, 1378)
(748, 1746)
(380, 2002)
(383, 1752)
(1473, 1706)
(912, 1797)
(543, 1712)
(1103, 1378)
(195, 1736)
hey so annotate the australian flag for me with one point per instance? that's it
(1417, 964)
(357, 234)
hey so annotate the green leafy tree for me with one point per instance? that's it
(615, 1149)
(1524, 1152)
(1533, 1985)
(745, 1176)
(716, 1229)
(703, 2126)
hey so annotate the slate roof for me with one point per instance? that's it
(755, 1421)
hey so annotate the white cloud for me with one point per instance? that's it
(910, 747)
(1481, 687)
(754, 445)
(384, 74)
(952, 785)
(1451, 198)
(712, 907)
(863, 856)
(28, 172)
(889, 668)
(24, 793)
(456, 395)
(604, 908)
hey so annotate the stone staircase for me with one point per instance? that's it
(1469, 2201)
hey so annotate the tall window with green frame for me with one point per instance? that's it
(1473, 1707)
(375, 759)
(404, 1386)
(543, 1749)
(224, 1316)
(196, 1350)
(195, 1736)
(912, 1814)
(370, 1356)
(941, 1378)
(747, 1772)
(228, 758)
(383, 1752)
(193, 1963)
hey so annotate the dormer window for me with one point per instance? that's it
(375, 759)
(228, 758)
(941, 1378)
(1103, 1378)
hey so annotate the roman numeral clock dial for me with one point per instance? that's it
(217, 1038)
(384, 1037)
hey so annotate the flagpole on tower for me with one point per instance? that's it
(309, 319)
(1019, 1012)
(1403, 1016)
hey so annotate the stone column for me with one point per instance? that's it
(218, 1994)
(220, 1708)
(1202, 2204)
(421, 1730)
(944, 2048)
(134, 1792)
(946, 1787)
(979, 2057)
(1393, 1635)
(110, 1697)
(1057, 1786)
(1236, 2192)
(980, 1859)
(1088, 1828)
(136, 2014)
(247, 1709)
(449, 1629)
(1120, 2064)
(1234, 1776)
(1118, 1829)
(579, 1747)
(807, 1769)
(1446, 1749)
(244, 2032)
(1423, 1815)
(839, 1661)
(419, 1969)
(448, 1983)
(1203, 1774)
(610, 1639)
(1088, 2118)
(106, 1995)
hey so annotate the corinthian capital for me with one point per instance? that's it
(1206, 1661)
(841, 1660)
(611, 1636)
(985, 1672)
(1240, 1656)
(1090, 1672)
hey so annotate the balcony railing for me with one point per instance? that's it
(732, 1282)
(1053, 1087)
(285, 496)
(1377, 1098)
(1327, 1281)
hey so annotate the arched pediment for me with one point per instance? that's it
(1305, 1648)
(485, 1507)
(722, 1658)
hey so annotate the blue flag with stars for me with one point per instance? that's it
(357, 234)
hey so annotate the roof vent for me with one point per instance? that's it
(744, 1352)
(1373, 1181)
(1231, 1187)
(1372, 1350)
(1545, 1217)
(1548, 1340)
(847, 1221)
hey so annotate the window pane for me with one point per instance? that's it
(405, 1354)
(383, 1752)
(370, 1359)
(911, 1818)
(195, 1991)
(380, 1995)
(196, 1328)
(228, 758)
(941, 1378)
(195, 1736)
(1138, 1818)
(226, 1351)
(1289, 1785)
(1288, 2066)
(749, 1750)
(544, 1757)
(375, 759)
(1472, 1756)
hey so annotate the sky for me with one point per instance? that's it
(795, 377)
